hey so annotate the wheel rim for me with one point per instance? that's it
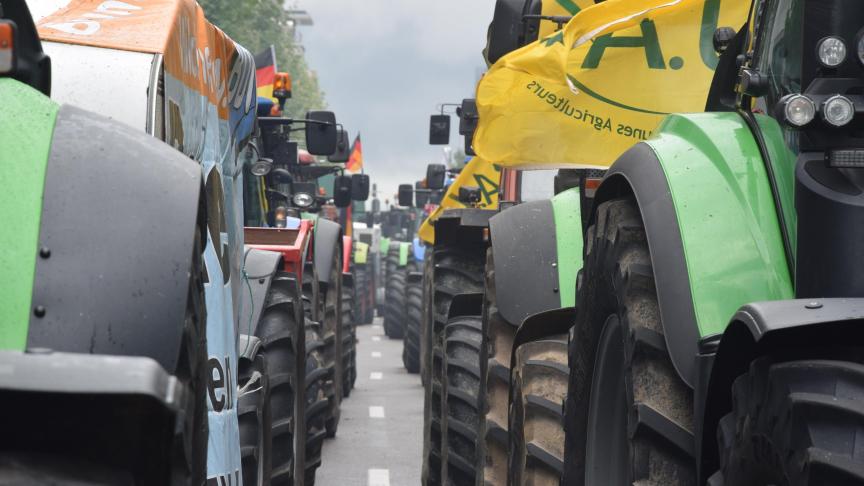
(607, 453)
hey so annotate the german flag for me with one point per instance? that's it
(265, 73)
(355, 160)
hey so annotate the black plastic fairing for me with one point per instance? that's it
(259, 267)
(526, 258)
(638, 172)
(116, 240)
(328, 238)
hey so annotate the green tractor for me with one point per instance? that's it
(718, 333)
(104, 354)
(398, 225)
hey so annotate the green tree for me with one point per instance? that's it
(256, 24)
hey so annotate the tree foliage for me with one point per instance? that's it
(255, 24)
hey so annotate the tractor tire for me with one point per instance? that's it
(394, 300)
(454, 271)
(331, 325)
(539, 387)
(279, 329)
(413, 317)
(794, 423)
(316, 377)
(629, 416)
(496, 371)
(253, 414)
(365, 311)
(461, 410)
(349, 337)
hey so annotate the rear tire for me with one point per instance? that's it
(793, 423)
(454, 271)
(253, 414)
(413, 317)
(364, 292)
(331, 321)
(537, 412)
(463, 339)
(349, 337)
(629, 417)
(394, 300)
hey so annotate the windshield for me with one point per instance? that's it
(537, 185)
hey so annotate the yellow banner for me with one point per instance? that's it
(583, 95)
(478, 172)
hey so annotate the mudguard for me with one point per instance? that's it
(259, 268)
(537, 248)
(120, 213)
(467, 304)
(540, 325)
(802, 328)
(328, 235)
(711, 224)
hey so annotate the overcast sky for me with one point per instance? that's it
(385, 65)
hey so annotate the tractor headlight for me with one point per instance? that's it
(261, 167)
(832, 51)
(798, 110)
(838, 111)
(861, 49)
(303, 200)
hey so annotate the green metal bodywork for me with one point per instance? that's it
(568, 241)
(26, 128)
(725, 210)
(404, 251)
(361, 252)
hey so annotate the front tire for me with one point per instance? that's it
(628, 414)
(795, 423)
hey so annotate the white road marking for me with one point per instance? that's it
(379, 477)
(377, 327)
(376, 375)
(376, 338)
(376, 412)
(376, 354)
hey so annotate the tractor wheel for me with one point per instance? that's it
(363, 288)
(331, 323)
(317, 376)
(454, 271)
(413, 316)
(463, 337)
(793, 423)
(349, 337)
(537, 412)
(628, 413)
(499, 338)
(394, 315)
(253, 414)
(279, 330)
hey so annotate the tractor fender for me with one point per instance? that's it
(120, 212)
(462, 227)
(530, 274)
(328, 235)
(540, 325)
(711, 225)
(803, 329)
(468, 304)
(259, 268)
(347, 247)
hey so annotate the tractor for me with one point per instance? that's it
(104, 366)
(719, 310)
(258, 363)
(398, 225)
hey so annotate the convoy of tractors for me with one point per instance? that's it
(182, 293)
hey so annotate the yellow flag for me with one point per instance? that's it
(585, 94)
(478, 172)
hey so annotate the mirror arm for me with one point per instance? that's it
(560, 20)
(273, 120)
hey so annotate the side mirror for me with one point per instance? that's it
(421, 197)
(342, 191)
(435, 175)
(343, 148)
(510, 29)
(439, 130)
(406, 195)
(359, 187)
(321, 136)
(722, 38)
(468, 119)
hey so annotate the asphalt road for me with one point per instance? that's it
(379, 441)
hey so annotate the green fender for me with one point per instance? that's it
(26, 125)
(711, 223)
(404, 252)
(385, 245)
